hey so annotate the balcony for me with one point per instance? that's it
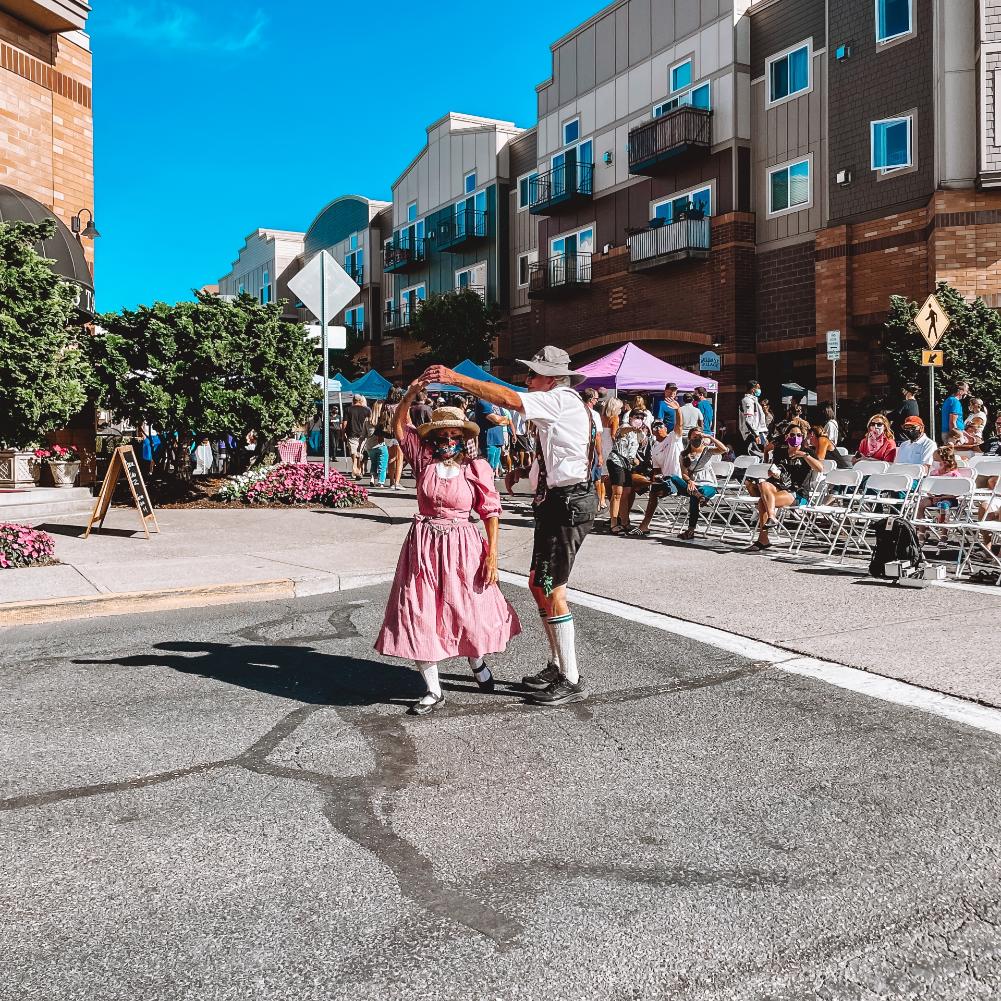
(458, 229)
(684, 240)
(400, 258)
(357, 275)
(563, 187)
(560, 276)
(654, 145)
(397, 318)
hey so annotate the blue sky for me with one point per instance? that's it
(213, 118)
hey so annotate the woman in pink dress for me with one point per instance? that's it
(445, 600)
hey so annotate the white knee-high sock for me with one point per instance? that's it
(563, 632)
(429, 672)
(554, 652)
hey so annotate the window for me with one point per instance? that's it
(526, 189)
(681, 76)
(354, 241)
(525, 262)
(668, 209)
(789, 73)
(571, 131)
(410, 299)
(891, 144)
(354, 265)
(474, 278)
(266, 288)
(789, 187)
(894, 18)
(354, 319)
(697, 97)
(470, 183)
(242, 288)
(412, 212)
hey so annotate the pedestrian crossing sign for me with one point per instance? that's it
(932, 322)
(933, 359)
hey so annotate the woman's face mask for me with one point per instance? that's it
(794, 440)
(696, 442)
(446, 448)
(877, 430)
(757, 392)
(636, 422)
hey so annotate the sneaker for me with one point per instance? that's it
(547, 676)
(561, 693)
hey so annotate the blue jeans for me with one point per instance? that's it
(494, 457)
(694, 501)
(379, 458)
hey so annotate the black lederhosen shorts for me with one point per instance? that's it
(562, 522)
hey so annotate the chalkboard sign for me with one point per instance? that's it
(123, 461)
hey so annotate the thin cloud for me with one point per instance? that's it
(170, 25)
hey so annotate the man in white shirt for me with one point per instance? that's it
(691, 416)
(916, 448)
(665, 454)
(565, 503)
(751, 420)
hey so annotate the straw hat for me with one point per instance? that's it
(451, 418)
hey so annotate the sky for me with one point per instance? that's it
(214, 118)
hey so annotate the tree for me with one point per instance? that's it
(209, 367)
(455, 326)
(43, 374)
(972, 346)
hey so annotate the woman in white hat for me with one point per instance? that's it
(445, 601)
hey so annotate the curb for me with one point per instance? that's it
(21, 613)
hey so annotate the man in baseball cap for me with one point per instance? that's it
(916, 447)
(565, 504)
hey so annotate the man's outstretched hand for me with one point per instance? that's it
(438, 373)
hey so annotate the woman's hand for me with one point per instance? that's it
(490, 567)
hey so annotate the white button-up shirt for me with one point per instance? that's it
(564, 424)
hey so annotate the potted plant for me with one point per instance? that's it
(63, 462)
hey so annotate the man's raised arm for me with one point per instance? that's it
(500, 396)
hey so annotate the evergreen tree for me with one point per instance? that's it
(454, 326)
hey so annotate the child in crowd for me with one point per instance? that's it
(378, 457)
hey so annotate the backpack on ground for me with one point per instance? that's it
(896, 542)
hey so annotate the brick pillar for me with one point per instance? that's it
(833, 283)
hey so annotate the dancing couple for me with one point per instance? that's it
(445, 601)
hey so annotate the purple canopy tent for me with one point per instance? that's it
(630, 367)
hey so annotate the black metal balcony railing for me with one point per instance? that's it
(478, 289)
(560, 275)
(686, 239)
(654, 143)
(398, 317)
(564, 186)
(458, 228)
(404, 255)
(357, 275)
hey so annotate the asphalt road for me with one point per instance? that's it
(229, 803)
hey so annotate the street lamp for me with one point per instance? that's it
(76, 223)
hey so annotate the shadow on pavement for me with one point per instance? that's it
(77, 531)
(291, 672)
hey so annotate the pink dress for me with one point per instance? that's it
(440, 606)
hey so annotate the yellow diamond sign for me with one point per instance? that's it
(932, 321)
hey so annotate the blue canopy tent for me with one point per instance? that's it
(372, 386)
(471, 371)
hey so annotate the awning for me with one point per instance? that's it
(63, 250)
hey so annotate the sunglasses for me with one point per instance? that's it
(449, 436)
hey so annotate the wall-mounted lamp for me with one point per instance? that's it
(844, 178)
(76, 223)
(843, 52)
(606, 158)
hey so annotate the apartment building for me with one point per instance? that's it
(449, 225)
(263, 267)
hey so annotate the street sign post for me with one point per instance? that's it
(325, 288)
(833, 354)
(932, 322)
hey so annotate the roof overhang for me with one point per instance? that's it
(50, 15)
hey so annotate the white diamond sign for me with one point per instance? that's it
(323, 286)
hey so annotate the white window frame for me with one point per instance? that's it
(266, 288)
(522, 206)
(787, 165)
(778, 57)
(589, 228)
(471, 269)
(532, 257)
(411, 218)
(417, 298)
(678, 100)
(671, 89)
(711, 185)
(353, 242)
(911, 163)
(893, 39)
(563, 132)
(466, 189)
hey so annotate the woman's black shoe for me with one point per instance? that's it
(488, 684)
(422, 708)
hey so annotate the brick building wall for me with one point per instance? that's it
(46, 119)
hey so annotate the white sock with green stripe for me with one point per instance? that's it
(554, 653)
(563, 635)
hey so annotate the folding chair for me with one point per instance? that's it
(869, 466)
(839, 491)
(883, 495)
(942, 488)
(742, 505)
(725, 472)
(977, 553)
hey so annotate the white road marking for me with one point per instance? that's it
(873, 685)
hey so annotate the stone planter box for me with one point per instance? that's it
(63, 474)
(18, 470)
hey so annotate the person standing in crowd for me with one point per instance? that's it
(952, 409)
(698, 475)
(665, 458)
(387, 421)
(611, 409)
(639, 410)
(491, 422)
(445, 601)
(917, 448)
(665, 408)
(691, 416)
(565, 503)
(355, 427)
(766, 407)
(831, 428)
(420, 412)
(908, 408)
(620, 462)
(751, 422)
(590, 397)
(976, 423)
(878, 443)
(705, 405)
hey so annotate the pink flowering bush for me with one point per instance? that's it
(58, 453)
(294, 483)
(23, 546)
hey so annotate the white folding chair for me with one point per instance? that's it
(882, 495)
(967, 472)
(839, 492)
(980, 534)
(869, 466)
(843, 450)
(951, 518)
(742, 505)
(725, 472)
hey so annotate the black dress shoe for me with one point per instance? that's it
(422, 708)
(488, 684)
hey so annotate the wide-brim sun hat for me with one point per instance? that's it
(448, 419)
(553, 362)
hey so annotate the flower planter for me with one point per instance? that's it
(18, 469)
(64, 474)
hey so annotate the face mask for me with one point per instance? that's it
(695, 443)
(794, 440)
(913, 433)
(877, 430)
(446, 449)
(636, 422)
(757, 392)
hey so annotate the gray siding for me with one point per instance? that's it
(784, 24)
(524, 156)
(989, 65)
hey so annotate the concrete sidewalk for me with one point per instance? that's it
(940, 637)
